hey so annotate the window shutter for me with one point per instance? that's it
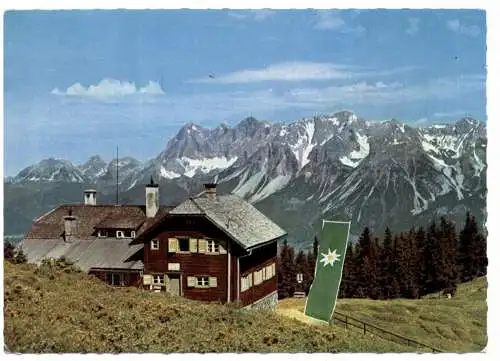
(191, 281)
(202, 246)
(269, 272)
(165, 282)
(250, 280)
(257, 277)
(173, 245)
(273, 267)
(193, 245)
(147, 279)
(212, 281)
(243, 284)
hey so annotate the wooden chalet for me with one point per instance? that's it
(211, 247)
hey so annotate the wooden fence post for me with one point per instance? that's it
(364, 328)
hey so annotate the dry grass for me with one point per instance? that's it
(56, 310)
(455, 325)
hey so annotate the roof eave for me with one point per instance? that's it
(266, 242)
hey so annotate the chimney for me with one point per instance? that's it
(89, 197)
(152, 199)
(69, 227)
(211, 190)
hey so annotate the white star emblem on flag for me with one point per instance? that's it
(330, 257)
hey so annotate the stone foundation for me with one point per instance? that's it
(267, 303)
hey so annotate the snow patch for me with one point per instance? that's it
(356, 156)
(204, 165)
(132, 185)
(420, 204)
(478, 165)
(334, 120)
(101, 172)
(168, 173)
(304, 144)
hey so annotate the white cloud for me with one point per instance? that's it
(413, 27)
(296, 71)
(456, 26)
(110, 88)
(331, 20)
(256, 15)
(453, 113)
(389, 93)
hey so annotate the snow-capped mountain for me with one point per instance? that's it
(334, 166)
(50, 170)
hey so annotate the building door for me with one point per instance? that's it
(174, 284)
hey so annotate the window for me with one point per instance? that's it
(184, 244)
(132, 234)
(201, 281)
(155, 244)
(119, 234)
(212, 246)
(102, 234)
(114, 279)
(158, 279)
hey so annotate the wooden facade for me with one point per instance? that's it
(191, 257)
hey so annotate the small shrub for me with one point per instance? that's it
(19, 257)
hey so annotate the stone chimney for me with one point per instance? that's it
(211, 190)
(69, 227)
(152, 199)
(89, 197)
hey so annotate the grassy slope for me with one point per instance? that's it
(49, 310)
(455, 325)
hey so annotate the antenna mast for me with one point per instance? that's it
(116, 175)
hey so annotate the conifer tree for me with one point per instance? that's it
(286, 271)
(466, 252)
(8, 250)
(449, 253)
(421, 269)
(413, 265)
(387, 273)
(365, 264)
(348, 276)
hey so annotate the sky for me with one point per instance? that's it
(79, 83)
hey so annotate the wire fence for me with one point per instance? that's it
(380, 332)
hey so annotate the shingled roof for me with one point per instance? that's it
(86, 250)
(51, 224)
(244, 223)
(86, 254)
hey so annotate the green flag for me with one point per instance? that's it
(322, 297)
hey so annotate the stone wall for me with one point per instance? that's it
(268, 303)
